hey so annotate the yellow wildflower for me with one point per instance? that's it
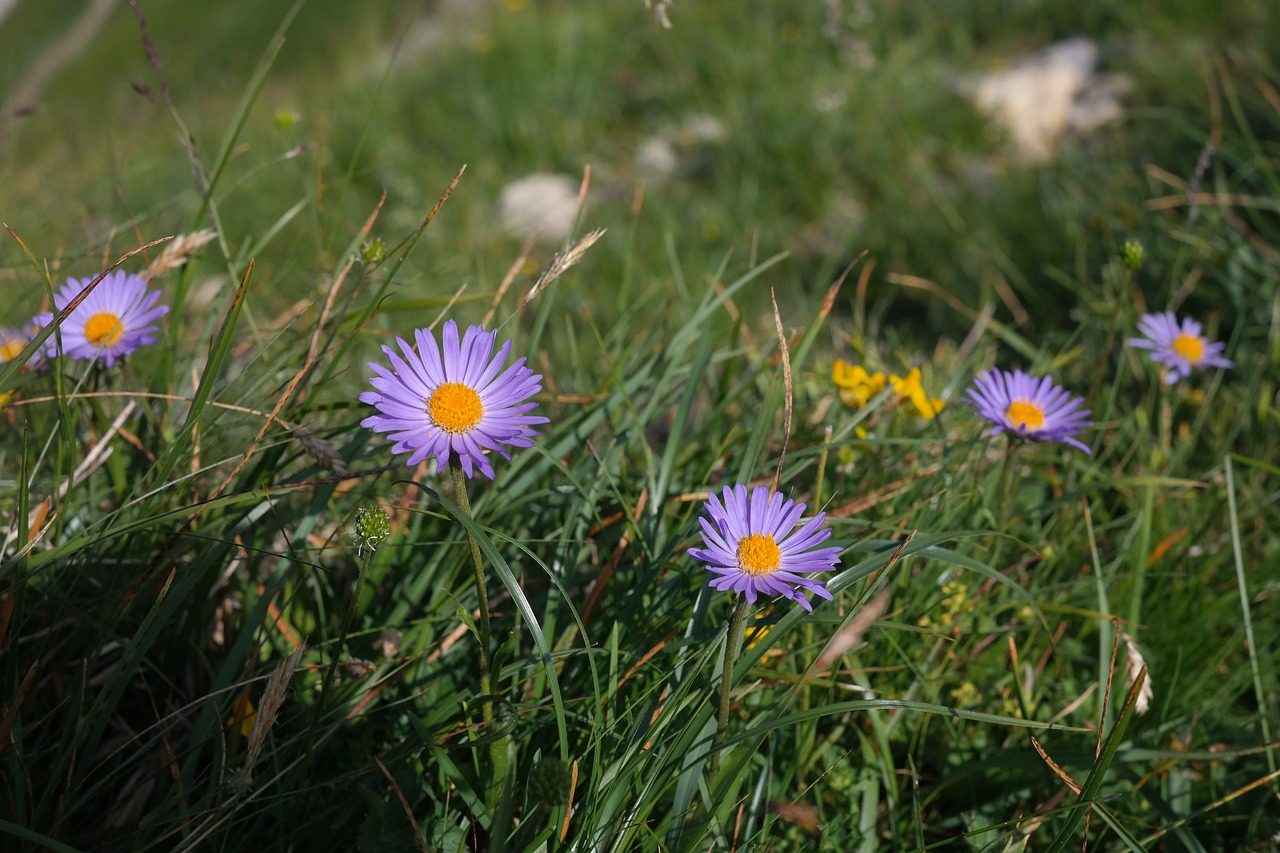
(855, 384)
(760, 629)
(966, 694)
(11, 343)
(911, 391)
(242, 714)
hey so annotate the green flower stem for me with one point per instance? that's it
(1159, 459)
(346, 629)
(1006, 497)
(333, 660)
(477, 561)
(731, 645)
(498, 748)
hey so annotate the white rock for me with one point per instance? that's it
(541, 205)
(701, 129)
(682, 148)
(1043, 96)
(656, 158)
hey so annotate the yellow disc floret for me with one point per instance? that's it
(1190, 347)
(1025, 415)
(9, 349)
(455, 407)
(103, 329)
(758, 554)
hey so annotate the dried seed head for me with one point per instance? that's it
(1133, 665)
(561, 262)
(177, 251)
(323, 451)
(268, 709)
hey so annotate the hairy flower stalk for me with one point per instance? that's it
(497, 748)
(731, 645)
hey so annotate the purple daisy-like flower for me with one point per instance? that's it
(1178, 346)
(435, 403)
(753, 546)
(114, 320)
(1029, 406)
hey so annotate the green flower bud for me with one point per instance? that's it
(372, 526)
(373, 251)
(1132, 255)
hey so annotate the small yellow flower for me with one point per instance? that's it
(911, 391)
(11, 343)
(856, 386)
(242, 714)
(760, 629)
(966, 694)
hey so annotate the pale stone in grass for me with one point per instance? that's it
(682, 148)
(656, 158)
(1043, 96)
(541, 205)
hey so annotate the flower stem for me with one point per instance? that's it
(477, 562)
(346, 629)
(731, 644)
(1006, 499)
(498, 747)
(333, 660)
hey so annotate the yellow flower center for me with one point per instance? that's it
(758, 554)
(10, 349)
(455, 407)
(1190, 347)
(104, 329)
(1025, 415)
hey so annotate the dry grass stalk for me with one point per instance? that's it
(787, 409)
(178, 250)
(268, 709)
(323, 451)
(404, 804)
(560, 263)
(852, 632)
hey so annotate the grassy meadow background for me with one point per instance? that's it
(171, 540)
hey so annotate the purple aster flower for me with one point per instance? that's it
(114, 320)
(753, 546)
(434, 404)
(1029, 406)
(1178, 346)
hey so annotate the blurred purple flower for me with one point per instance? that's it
(1178, 346)
(114, 320)
(1029, 406)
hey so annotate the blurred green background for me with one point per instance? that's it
(841, 126)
